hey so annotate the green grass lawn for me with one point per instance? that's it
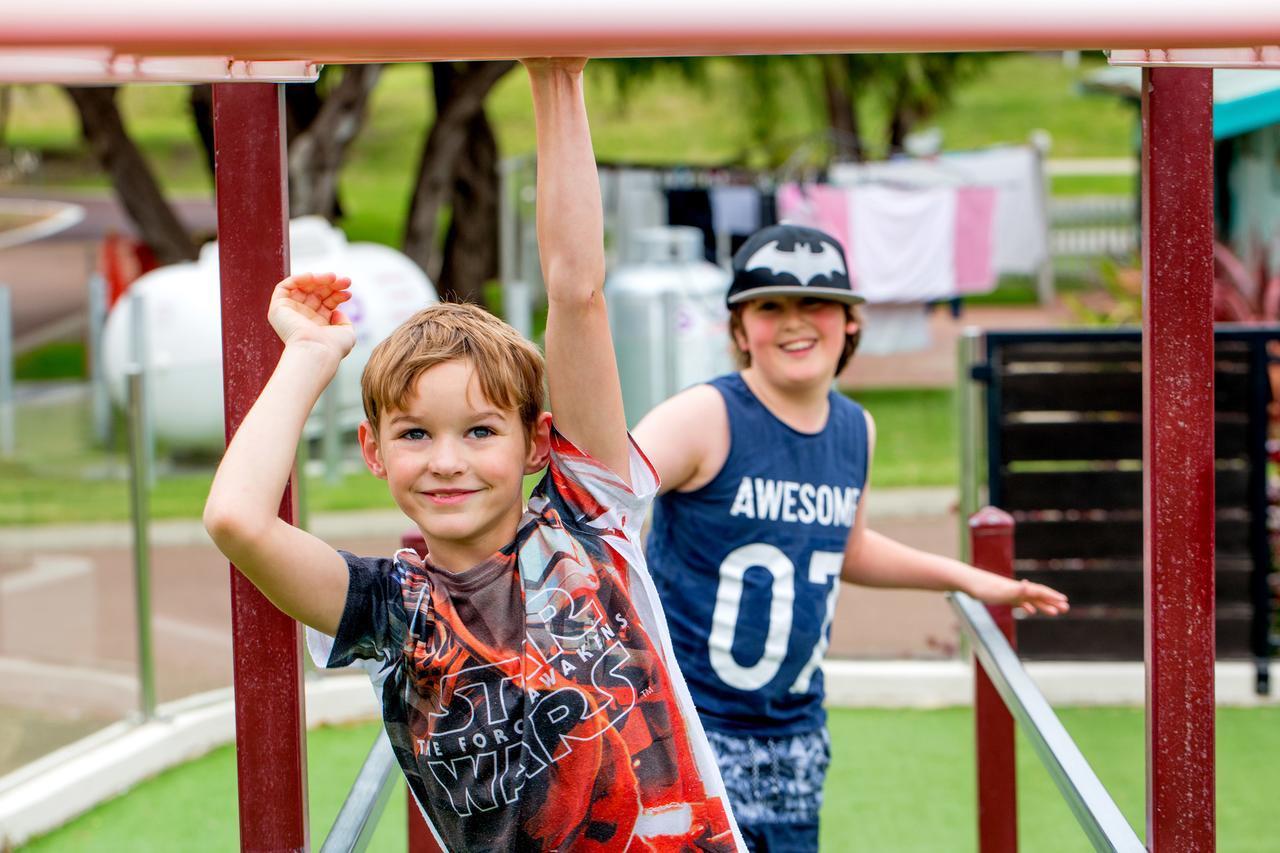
(899, 781)
(917, 442)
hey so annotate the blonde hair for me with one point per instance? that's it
(743, 358)
(508, 367)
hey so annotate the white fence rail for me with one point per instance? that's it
(1091, 226)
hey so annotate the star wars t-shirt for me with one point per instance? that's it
(532, 700)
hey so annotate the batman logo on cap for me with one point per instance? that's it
(801, 263)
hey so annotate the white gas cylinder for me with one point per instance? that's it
(183, 337)
(668, 317)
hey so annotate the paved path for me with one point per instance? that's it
(48, 277)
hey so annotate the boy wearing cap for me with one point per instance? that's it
(762, 512)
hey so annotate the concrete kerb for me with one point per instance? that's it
(51, 791)
(948, 683)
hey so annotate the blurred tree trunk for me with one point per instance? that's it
(916, 86)
(200, 100)
(318, 149)
(471, 245)
(319, 130)
(460, 89)
(842, 112)
(135, 186)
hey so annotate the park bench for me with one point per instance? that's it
(1064, 457)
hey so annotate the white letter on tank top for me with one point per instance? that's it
(743, 503)
(807, 511)
(768, 498)
(789, 501)
(846, 505)
(824, 504)
(724, 619)
(824, 569)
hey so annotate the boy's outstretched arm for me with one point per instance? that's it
(872, 559)
(582, 374)
(299, 573)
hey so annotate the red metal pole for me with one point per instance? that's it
(420, 838)
(1177, 402)
(991, 544)
(253, 232)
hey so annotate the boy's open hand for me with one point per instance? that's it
(304, 307)
(1026, 596)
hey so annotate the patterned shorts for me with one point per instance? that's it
(773, 780)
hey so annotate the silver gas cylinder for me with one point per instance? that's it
(668, 317)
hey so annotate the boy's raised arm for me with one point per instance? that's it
(299, 573)
(582, 374)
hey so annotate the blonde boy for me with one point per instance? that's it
(523, 668)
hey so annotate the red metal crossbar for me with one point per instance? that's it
(991, 544)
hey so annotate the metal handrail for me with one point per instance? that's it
(356, 821)
(1089, 801)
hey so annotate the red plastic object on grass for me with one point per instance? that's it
(121, 261)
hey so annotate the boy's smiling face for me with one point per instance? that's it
(455, 464)
(794, 340)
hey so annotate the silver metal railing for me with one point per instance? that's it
(1088, 800)
(356, 821)
(140, 513)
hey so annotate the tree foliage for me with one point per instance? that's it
(457, 169)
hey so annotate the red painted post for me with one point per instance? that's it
(1178, 421)
(253, 231)
(420, 838)
(991, 544)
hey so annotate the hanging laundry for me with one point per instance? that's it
(693, 207)
(1021, 215)
(735, 210)
(975, 238)
(904, 242)
(639, 204)
(1021, 240)
(820, 206)
(768, 208)
(889, 329)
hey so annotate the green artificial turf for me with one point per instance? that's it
(916, 437)
(900, 780)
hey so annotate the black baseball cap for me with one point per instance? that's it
(791, 260)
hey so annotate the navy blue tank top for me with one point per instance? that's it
(748, 566)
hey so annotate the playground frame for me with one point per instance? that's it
(248, 36)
